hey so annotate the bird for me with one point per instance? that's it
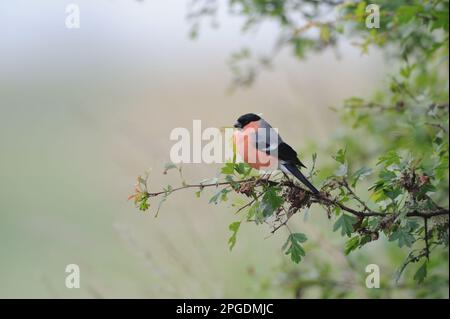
(261, 147)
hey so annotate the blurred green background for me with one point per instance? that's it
(84, 111)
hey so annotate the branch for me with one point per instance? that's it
(201, 186)
(320, 198)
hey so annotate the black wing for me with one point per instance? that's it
(287, 154)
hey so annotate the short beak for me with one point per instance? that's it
(237, 125)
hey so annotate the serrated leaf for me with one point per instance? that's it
(144, 205)
(389, 158)
(387, 176)
(299, 237)
(227, 169)
(345, 224)
(293, 248)
(340, 156)
(404, 14)
(253, 211)
(242, 168)
(234, 228)
(421, 273)
(403, 236)
(351, 245)
(270, 202)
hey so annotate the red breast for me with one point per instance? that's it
(246, 148)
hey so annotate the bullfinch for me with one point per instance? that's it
(260, 146)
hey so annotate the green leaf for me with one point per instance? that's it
(301, 46)
(144, 205)
(421, 273)
(227, 169)
(242, 168)
(351, 244)
(403, 236)
(340, 156)
(360, 10)
(270, 201)
(392, 193)
(253, 211)
(407, 70)
(299, 237)
(354, 102)
(272, 197)
(234, 228)
(292, 246)
(345, 224)
(387, 176)
(141, 201)
(404, 14)
(389, 158)
(325, 33)
(373, 223)
(364, 240)
(441, 20)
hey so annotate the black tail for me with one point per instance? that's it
(296, 172)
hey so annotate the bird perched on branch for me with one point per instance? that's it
(260, 146)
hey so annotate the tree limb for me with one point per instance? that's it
(320, 198)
